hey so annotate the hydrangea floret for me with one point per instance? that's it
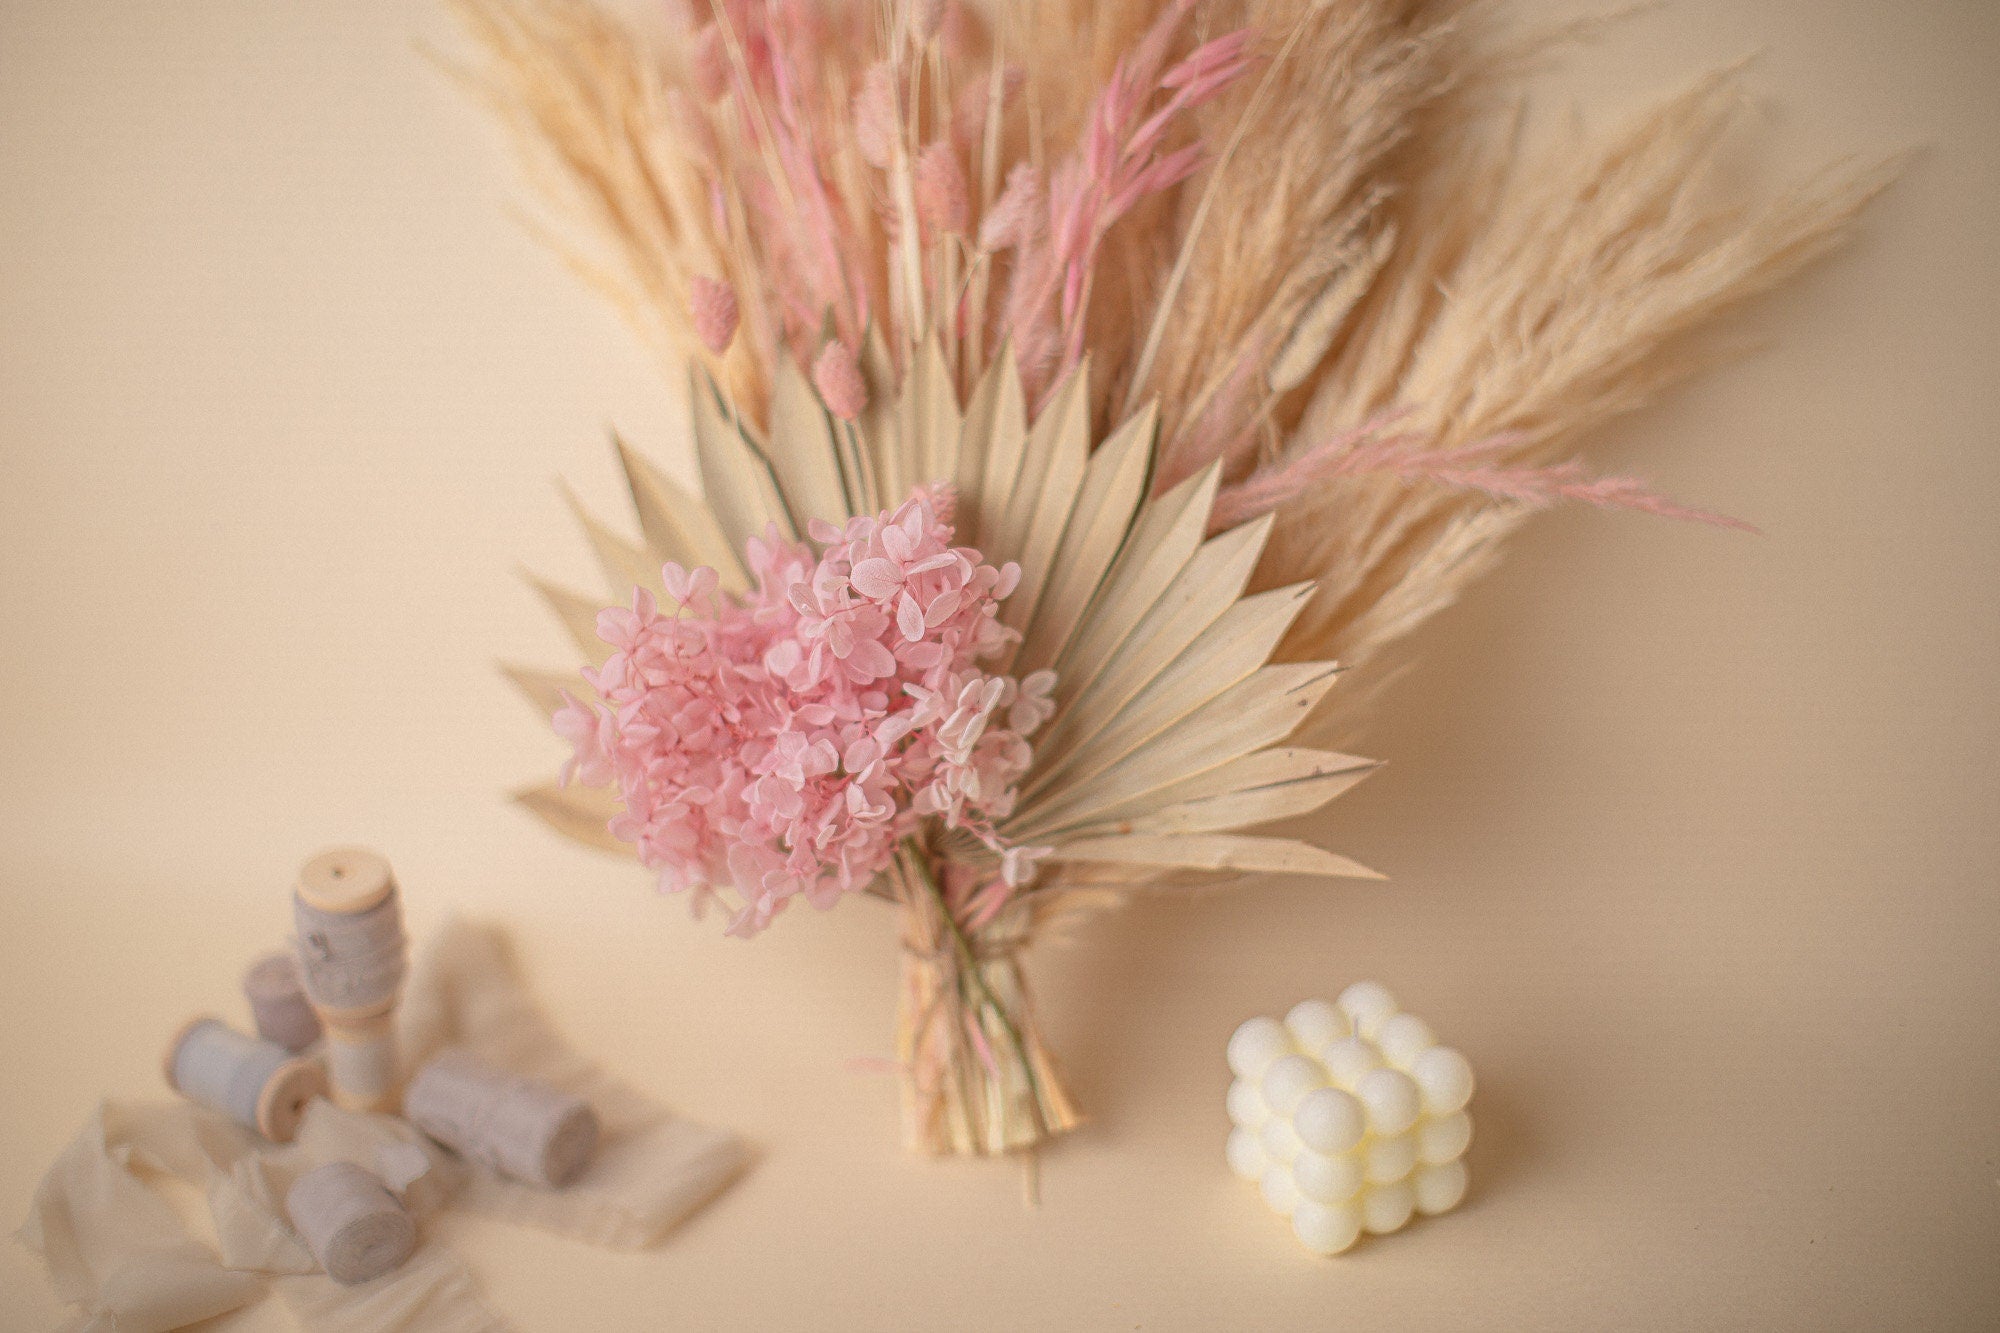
(782, 743)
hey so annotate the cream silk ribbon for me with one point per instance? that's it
(119, 1251)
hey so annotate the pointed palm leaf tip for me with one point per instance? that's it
(1167, 739)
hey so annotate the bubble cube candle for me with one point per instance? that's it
(1349, 1117)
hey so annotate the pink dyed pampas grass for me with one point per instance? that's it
(1372, 449)
(1242, 329)
(837, 376)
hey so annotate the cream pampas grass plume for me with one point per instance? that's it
(1072, 388)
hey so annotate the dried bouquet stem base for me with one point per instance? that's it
(977, 1080)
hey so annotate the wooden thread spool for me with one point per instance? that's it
(258, 1084)
(361, 1062)
(278, 1002)
(351, 960)
(519, 1127)
(350, 1221)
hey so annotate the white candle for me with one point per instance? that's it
(1349, 1117)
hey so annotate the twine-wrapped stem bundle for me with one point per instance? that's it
(977, 1079)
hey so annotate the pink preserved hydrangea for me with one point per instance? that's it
(781, 744)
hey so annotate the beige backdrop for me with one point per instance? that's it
(1693, 835)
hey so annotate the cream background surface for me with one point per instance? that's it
(1693, 836)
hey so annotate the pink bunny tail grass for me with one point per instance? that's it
(927, 18)
(837, 375)
(801, 225)
(943, 202)
(1123, 158)
(875, 119)
(708, 62)
(1368, 451)
(712, 309)
(1011, 221)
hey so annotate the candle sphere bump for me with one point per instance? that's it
(1314, 1024)
(1246, 1155)
(1348, 1116)
(1326, 1228)
(1247, 1106)
(1256, 1046)
(1402, 1038)
(1288, 1081)
(1446, 1079)
(1327, 1179)
(1280, 1140)
(1368, 1005)
(1390, 1160)
(1392, 1100)
(1331, 1121)
(1387, 1208)
(1442, 1139)
(1280, 1191)
(1350, 1060)
(1440, 1187)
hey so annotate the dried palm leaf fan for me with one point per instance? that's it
(1232, 325)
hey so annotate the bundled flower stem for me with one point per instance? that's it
(1072, 385)
(976, 1077)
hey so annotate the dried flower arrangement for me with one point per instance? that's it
(1073, 385)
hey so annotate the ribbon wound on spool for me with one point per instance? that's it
(258, 1084)
(278, 1002)
(350, 1221)
(351, 960)
(521, 1128)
